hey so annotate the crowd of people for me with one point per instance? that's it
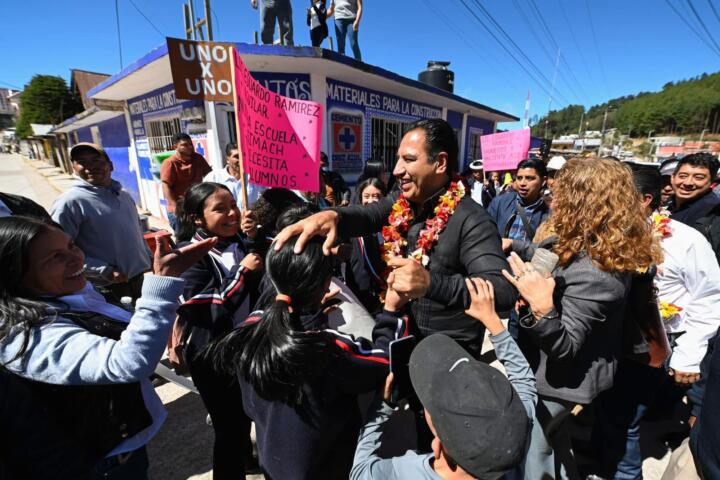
(596, 282)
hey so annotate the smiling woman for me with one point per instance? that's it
(57, 332)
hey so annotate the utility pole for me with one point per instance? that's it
(602, 138)
(582, 117)
(194, 31)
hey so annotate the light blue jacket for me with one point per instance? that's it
(63, 353)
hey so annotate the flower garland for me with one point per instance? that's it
(661, 223)
(399, 224)
(669, 310)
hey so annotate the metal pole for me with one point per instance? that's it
(255, 37)
(188, 22)
(332, 47)
(192, 19)
(208, 20)
(582, 117)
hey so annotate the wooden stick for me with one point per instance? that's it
(238, 134)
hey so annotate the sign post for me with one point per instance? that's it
(238, 131)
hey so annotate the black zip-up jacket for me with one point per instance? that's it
(317, 438)
(212, 299)
(469, 246)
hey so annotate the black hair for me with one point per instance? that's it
(538, 165)
(439, 137)
(18, 309)
(372, 169)
(191, 207)
(372, 181)
(276, 355)
(294, 214)
(179, 137)
(648, 182)
(700, 159)
(229, 148)
(271, 204)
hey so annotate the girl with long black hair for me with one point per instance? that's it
(84, 363)
(366, 266)
(219, 293)
(299, 379)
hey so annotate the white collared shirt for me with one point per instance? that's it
(224, 177)
(689, 277)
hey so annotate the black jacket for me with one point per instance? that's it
(468, 247)
(317, 438)
(704, 216)
(364, 274)
(705, 398)
(25, 207)
(212, 300)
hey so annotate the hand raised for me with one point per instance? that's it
(482, 304)
(322, 223)
(172, 263)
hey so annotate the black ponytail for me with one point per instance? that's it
(276, 356)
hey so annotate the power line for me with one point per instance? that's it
(702, 24)
(519, 50)
(712, 6)
(702, 39)
(462, 34)
(15, 87)
(597, 48)
(117, 24)
(577, 44)
(147, 19)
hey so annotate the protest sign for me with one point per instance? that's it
(279, 137)
(201, 70)
(503, 151)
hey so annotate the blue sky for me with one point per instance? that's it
(608, 48)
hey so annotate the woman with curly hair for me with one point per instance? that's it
(572, 335)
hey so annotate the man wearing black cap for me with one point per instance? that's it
(480, 420)
(102, 220)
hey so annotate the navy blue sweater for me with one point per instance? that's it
(317, 438)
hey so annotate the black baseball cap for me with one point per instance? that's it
(476, 412)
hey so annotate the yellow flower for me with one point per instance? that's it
(669, 310)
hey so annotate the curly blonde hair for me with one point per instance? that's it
(596, 210)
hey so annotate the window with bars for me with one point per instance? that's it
(386, 136)
(475, 151)
(160, 133)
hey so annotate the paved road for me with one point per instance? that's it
(183, 448)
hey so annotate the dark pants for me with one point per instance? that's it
(128, 466)
(317, 35)
(616, 434)
(223, 400)
(343, 29)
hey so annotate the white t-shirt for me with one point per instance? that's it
(314, 20)
(346, 9)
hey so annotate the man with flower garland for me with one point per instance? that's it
(688, 284)
(435, 236)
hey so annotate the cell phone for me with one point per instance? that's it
(400, 351)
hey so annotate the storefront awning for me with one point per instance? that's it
(89, 117)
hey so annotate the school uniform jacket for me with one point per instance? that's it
(317, 438)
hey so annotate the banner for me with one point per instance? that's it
(201, 70)
(503, 151)
(279, 136)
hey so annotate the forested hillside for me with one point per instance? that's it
(685, 107)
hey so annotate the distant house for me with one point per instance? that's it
(8, 110)
(82, 81)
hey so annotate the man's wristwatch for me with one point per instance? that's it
(530, 320)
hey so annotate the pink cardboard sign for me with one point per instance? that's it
(279, 136)
(503, 151)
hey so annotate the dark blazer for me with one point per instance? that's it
(468, 247)
(25, 207)
(575, 357)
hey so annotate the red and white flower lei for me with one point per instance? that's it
(661, 223)
(399, 223)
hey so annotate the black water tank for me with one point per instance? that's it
(438, 75)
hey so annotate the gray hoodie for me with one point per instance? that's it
(103, 222)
